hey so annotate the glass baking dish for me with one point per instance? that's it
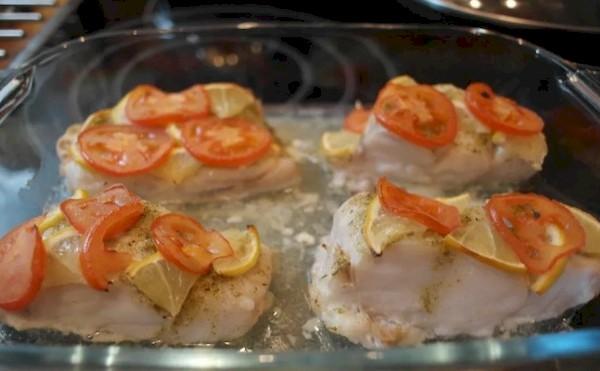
(308, 76)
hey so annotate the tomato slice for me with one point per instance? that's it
(524, 222)
(22, 266)
(417, 113)
(83, 213)
(98, 263)
(500, 113)
(121, 150)
(184, 242)
(229, 142)
(357, 120)
(149, 106)
(433, 214)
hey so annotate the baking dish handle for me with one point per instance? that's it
(585, 82)
(14, 88)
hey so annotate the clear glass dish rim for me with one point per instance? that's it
(471, 353)
(51, 53)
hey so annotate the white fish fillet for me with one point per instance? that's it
(117, 315)
(419, 290)
(220, 308)
(217, 309)
(207, 184)
(476, 156)
(200, 183)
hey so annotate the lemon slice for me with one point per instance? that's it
(98, 118)
(58, 274)
(461, 202)
(62, 265)
(381, 229)
(476, 237)
(117, 113)
(591, 226)
(227, 100)
(403, 80)
(77, 157)
(540, 284)
(63, 256)
(339, 144)
(246, 247)
(180, 166)
(163, 283)
(51, 240)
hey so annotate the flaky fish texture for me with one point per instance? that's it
(418, 289)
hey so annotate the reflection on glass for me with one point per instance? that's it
(511, 4)
(232, 59)
(218, 61)
(163, 21)
(475, 4)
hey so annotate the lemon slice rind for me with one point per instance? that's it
(381, 229)
(477, 238)
(544, 282)
(246, 246)
(591, 226)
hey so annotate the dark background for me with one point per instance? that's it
(95, 15)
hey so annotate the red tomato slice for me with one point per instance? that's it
(230, 142)
(417, 113)
(522, 220)
(357, 120)
(184, 242)
(433, 214)
(98, 263)
(22, 266)
(122, 150)
(149, 106)
(83, 213)
(500, 113)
